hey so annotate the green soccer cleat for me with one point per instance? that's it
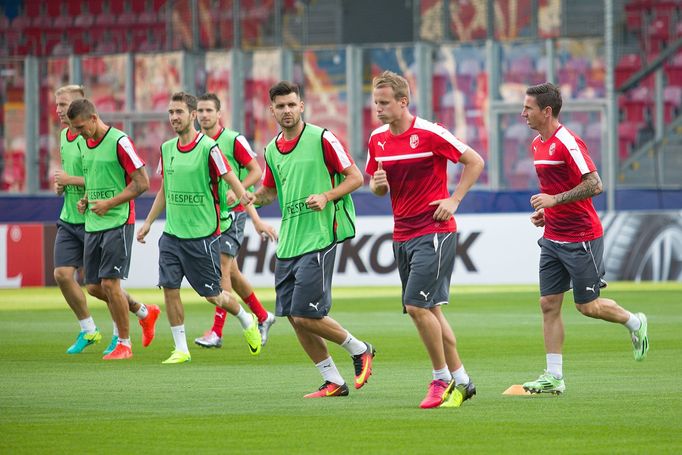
(459, 395)
(84, 340)
(178, 357)
(112, 345)
(640, 339)
(252, 336)
(546, 383)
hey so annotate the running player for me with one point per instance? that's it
(191, 165)
(312, 175)
(408, 157)
(114, 176)
(571, 249)
(243, 162)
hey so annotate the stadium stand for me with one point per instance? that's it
(94, 29)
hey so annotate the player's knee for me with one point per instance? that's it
(415, 312)
(300, 322)
(63, 274)
(214, 299)
(550, 304)
(109, 286)
(94, 290)
(590, 309)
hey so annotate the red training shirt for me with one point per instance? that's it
(560, 162)
(416, 168)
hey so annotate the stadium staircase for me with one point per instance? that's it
(653, 41)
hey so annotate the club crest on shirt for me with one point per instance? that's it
(552, 148)
(414, 141)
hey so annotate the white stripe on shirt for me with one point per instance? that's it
(570, 143)
(338, 148)
(218, 160)
(127, 146)
(403, 157)
(242, 140)
(547, 162)
(423, 124)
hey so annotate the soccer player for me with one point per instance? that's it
(243, 162)
(311, 174)
(114, 176)
(68, 245)
(408, 157)
(572, 246)
(191, 165)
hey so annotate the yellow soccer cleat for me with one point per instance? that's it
(178, 357)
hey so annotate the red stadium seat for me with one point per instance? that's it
(54, 8)
(159, 5)
(116, 6)
(634, 16)
(94, 6)
(673, 70)
(80, 45)
(105, 20)
(138, 7)
(627, 138)
(658, 35)
(83, 21)
(63, 22)
(628, 65)
(75, 7)
(127, 20)
(666, 8)
(147, 18)
(636, 104)
(672, 98)
(33, 9)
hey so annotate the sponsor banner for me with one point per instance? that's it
(490, 249)
(643, 246)
(22, 258)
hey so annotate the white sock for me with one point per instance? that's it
(460, 376)
(245, 319)
(633, 323)
(554, 365)
(179, 338)
(443, 374)
(329, 372)
(142, 312)
(115, 330)
(353, 345)
(88, 325)
(125, 342)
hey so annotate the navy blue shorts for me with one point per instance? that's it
(304, 284)
(68, 245)
(108, 253)
(425, 265)
(198, 260)
(231, 239)
(578, 265)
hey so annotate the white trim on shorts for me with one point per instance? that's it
(322, 264)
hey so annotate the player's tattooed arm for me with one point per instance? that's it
(589, 187)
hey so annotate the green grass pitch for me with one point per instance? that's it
(226, 401)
